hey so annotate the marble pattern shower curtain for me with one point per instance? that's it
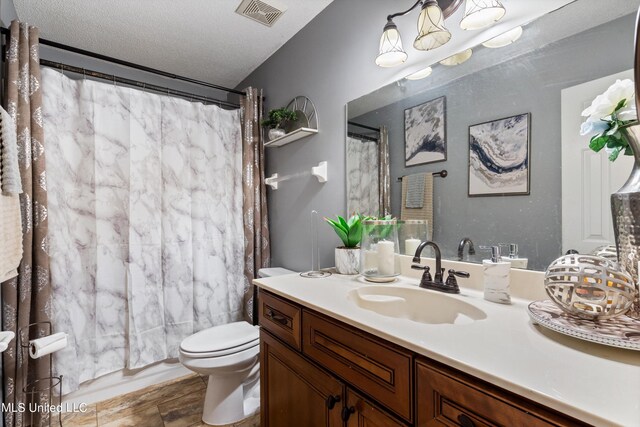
(362, 177)
(146, 230)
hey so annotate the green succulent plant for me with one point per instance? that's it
(278, 117)
(349, 231)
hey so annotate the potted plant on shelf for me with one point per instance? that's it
(350, 232)
(276, 121)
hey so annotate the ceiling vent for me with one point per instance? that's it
(260, 11)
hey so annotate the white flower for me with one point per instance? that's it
(593, 127)
(604, 104)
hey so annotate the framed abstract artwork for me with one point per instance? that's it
(425, 133)
(499, 157)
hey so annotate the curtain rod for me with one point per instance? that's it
(90, 54)
(361, 136)
(363, 126)
(442, 174)
(138, 84)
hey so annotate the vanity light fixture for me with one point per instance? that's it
(458, 58)
(420, 74)
(481, 13)
(431, 33)
(391, 51)
(504, 39)
(431, 30)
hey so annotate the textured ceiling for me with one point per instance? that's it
(202, 39)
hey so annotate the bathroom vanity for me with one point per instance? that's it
(340, 351)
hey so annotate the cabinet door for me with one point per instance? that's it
(293, 391)
(360, 412)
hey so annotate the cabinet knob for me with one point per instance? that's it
(331, 401)
(276, 317)
(346, 413)
(465, 421)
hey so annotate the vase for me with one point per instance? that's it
(275, 133)
(347, 260)
(625, 209)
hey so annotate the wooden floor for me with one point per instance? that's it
(175, 403)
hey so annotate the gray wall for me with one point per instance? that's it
(331, 61)
(530, 83)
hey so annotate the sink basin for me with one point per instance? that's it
(416, 304)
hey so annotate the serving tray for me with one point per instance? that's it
(622, 331)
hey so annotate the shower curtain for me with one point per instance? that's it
(362, 177)
(145, 222)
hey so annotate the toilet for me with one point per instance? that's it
(229, 354)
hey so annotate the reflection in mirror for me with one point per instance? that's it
(556, 67)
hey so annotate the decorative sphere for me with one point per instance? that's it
(589, 287)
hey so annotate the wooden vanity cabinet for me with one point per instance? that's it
(316, 371)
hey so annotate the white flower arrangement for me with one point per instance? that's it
(608, 115)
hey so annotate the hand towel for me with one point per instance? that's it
(10, 236)
(415, 191)
(9, 168)
(426, 212)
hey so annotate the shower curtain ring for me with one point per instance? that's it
(84, 74)
(113, 76)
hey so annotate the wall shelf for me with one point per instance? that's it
(290, 137)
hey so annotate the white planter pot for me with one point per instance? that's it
(348, 260)
(275, 133)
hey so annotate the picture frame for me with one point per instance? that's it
(425, 132)
(500, 157)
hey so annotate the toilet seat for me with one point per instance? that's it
(219, 353)
(221, 340)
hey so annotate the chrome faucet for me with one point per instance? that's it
(461, 245)
(436, 283)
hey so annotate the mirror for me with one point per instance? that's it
(505, 125)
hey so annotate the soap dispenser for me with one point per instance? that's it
(513, 258)
(497, 276)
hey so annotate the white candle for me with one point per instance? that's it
(386, 258)
(410, 246)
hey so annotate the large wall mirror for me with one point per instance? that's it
(505, 125)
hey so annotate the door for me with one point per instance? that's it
(293, 391)
(359, 412)
(588, 178)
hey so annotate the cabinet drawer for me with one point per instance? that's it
(369, 364)
(449, 398)
(281, 318)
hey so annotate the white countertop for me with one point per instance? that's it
(594, 383)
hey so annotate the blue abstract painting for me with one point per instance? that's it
(499, 157)
(425, 133)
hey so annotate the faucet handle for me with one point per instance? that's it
(459, 273)
(419, 267)
(451, 279)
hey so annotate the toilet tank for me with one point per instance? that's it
(274, 271)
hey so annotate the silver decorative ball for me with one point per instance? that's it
(589, 287)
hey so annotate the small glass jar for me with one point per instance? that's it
(411, 233)
(378, 250)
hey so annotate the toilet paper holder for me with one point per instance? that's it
(47, 384)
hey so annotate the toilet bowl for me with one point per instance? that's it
(229, 355)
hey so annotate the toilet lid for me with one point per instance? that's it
(220, 338)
